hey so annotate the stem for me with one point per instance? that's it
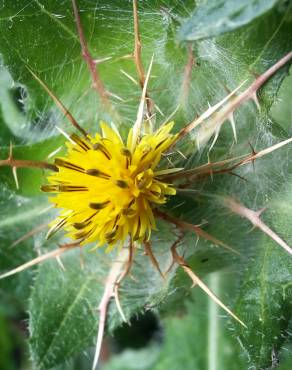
(97, 83)
(59, 104)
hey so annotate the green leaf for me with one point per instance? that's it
(281, 110)
(17, 219)
(63, 306)
(212, 18)
(264, 300)
(63, 309)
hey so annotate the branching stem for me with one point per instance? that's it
(197, 281)
(108, 293)
(97, 83)
(59, 104)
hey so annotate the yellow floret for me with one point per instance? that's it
(106, 190)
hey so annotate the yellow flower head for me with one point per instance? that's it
(107, 188)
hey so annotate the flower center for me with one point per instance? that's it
(107, 190)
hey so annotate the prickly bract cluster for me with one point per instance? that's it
(109, 190)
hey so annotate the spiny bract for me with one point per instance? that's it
(107, 189)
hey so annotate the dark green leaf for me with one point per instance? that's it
(264, 301)
(214, 17)
(281, 110)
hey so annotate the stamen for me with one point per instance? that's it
(103, 149)
(122, 184)
(126, 152)
(56, 227)
(62, 163)
(62, 188)
(49, 188)
(98, 205)
(161, 142)
(97, 173)
(110, 235)
(84, 234)
(81, 225)
(80, 142)
(69, 188)
(128, 212)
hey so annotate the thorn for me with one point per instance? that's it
(60, 263)
(102, 60)
(232, 122)
(208, 113)
(117, 300)
(266, 151)
(254, 218)
(252, 149)
(129, 77)
(185, 226)
(172, 114)
(14, 172)
(181, 154)
(52, 254)
(158, 109)
(197, 281)
(28, 235)
(65, 135)
(251, 229)
(217, 131)
(10, 157)
(256, 101)
(139, 119)
(149, 253)
(224, 110)
(115, 96)
(58, 103)
(53, 153)
(261, 211)
(211, 169)
(237, 175)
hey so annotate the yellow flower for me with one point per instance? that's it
(107, 188)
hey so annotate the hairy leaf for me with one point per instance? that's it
(212, 18)
(281, 110)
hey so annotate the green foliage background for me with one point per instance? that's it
(231, 41)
